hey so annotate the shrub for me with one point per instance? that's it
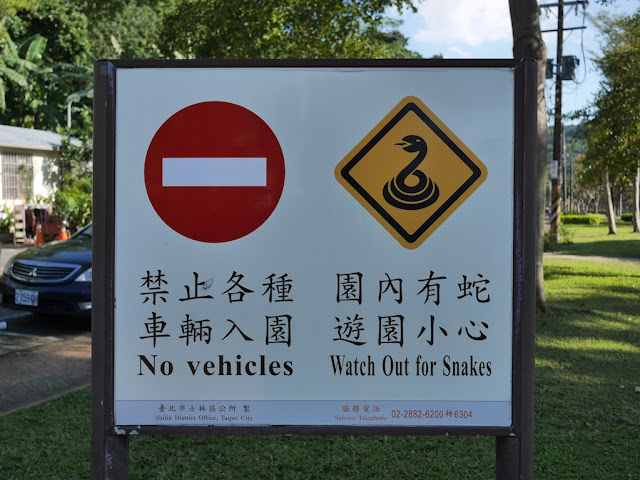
(626, 217)
(73, 200)
(565, 237)
(580, 219)
(73, 204)
(6, 220)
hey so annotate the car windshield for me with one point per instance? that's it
(86, 231)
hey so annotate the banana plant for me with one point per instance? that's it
(8, 74)
(36, 88)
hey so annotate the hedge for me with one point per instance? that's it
(626, 217)
(580, 219)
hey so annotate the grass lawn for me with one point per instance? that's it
(595, 240)
(587, 367)
(587, 413)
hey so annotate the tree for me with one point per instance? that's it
(614, 129)
(127, 29)
(62, 22)
(74, 197)
(35, 98)
(282, 29)
(8, 74)
(50, 44)
(587, 186)
(11, 7)
(75, 33)
(528, 43)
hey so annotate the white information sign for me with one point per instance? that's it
(339, 255)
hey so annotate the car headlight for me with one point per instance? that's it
(7, 268)
(84, 276)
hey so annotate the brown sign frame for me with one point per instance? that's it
(110, 442)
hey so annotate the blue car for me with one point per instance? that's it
(53, 279)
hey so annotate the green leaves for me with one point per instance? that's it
(13, 76)
(60, 39)
(32, 90)
(283, 29)
(36, 46)
(613, 131)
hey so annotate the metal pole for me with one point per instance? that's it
(564, 171)
(527, 302)
(571, 202)
(514, 453)
(508, 458)
(556, 193)
(109, 451)
(69, 119)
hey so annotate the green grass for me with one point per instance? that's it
(587, 413)
(587, 366)
(595, 240)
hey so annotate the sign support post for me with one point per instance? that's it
(109, 452)
(514, 454)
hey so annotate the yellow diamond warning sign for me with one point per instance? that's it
(411, 172)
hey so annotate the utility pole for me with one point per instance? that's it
(571, 199)
(565, 197)
(557, 159)
(556, 196)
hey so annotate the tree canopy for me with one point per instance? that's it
(615, 126)
(282, 29)
(48, 47)
(613, 131)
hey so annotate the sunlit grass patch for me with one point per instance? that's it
(587, 365)
(595, 240)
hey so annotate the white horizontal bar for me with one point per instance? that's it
(214, 172)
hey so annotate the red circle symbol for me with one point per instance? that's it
(214, 172)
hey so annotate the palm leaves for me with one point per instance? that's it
(37, 89)
(9, 58)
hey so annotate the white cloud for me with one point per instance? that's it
(464, 23)
(455, 52)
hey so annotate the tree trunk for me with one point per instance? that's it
(620, 203)
(635, 215)
(528, 43)
(611, 216)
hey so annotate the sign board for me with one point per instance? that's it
(408, 202)
(554, 169)
(293, 246)
(191, 161)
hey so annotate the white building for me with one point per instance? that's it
(38, 151)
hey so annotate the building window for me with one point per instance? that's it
(17, 175)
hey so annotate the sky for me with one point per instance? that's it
(482, 29)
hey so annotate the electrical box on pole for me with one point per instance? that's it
(569, 64)
(549, 71)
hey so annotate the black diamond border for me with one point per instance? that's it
(475, 172)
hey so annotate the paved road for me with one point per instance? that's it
(40, 358)
(593, 257)
(44, 368)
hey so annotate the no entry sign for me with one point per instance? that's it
(214, 172)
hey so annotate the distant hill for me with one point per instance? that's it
(576, 144)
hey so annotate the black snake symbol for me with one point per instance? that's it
(412, 197)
